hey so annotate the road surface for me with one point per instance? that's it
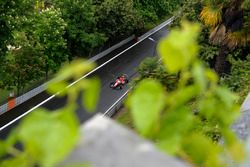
(125, 63)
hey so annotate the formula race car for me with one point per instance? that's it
(119, 82)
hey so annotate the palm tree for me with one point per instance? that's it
(229, 21)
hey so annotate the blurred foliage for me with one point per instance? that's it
(166, 117)
(57, 31)
(39, 32)
(48, 137)
(228, 21)
(152, 68)
(191, 11)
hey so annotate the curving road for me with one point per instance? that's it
(125, 63)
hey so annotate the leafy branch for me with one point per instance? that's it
(166, 116)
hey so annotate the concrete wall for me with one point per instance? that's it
(104, 143)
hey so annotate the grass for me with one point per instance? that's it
(123, 117)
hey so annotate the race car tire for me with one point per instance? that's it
(111, 85)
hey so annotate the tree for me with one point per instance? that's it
(239, 79)
(230, 23)
(38, 46)
(161, 115)
(155, 10)
(166, 116)
(22, 65)
(48, 29)
(117, 18)
(81, 31)
(10, 11)
(48, 127)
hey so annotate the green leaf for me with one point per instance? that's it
(208, 107)
(75, 69)
(56, 87)
(202, 151)
(175, 125)
(170, 145)
(91, 94)
(3, 150)
(199, 77)
(83, 164)
(211, 75)
(182, 96)
(20, 161)
(237, 151)
(225, 96)
(49, 137)
(146, 104)
(179, 48)
(9, 142)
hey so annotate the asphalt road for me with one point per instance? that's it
(125, 63)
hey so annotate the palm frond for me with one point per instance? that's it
(239, 38)
(218, 35)
(215, 2)
(211, 16)
(246, 4)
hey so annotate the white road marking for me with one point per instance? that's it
(19, 117)
(70, 85)
(115, 103)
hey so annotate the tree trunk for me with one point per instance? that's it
(46, 71)
(18, 86)
(46, 75)
(222, 66)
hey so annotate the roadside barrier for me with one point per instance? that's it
(43, 87)
(13, 102)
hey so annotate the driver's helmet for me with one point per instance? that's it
(123, 76)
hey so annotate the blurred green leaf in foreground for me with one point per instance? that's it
(47, 137)
(186, 121)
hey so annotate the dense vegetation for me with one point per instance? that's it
(224, 47)
(190, 108)
(166, 117)
(42, 35)
(224, 41)
(170, 121)
(45, 131)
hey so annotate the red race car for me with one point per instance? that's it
(119, 82)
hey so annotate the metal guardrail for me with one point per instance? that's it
(3, 107)
(142, 38)
(30, 94)
(117, 105)
(116, 46)
(157, 28)
(21, 99)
